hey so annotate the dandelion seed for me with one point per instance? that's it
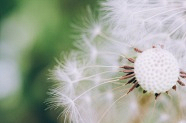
(135, 47)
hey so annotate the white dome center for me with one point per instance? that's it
(156, 70)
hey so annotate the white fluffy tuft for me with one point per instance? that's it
(87, 80)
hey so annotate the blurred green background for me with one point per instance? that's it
(32, 34)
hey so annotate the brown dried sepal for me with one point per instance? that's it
(128, 71)
(183, 75)
(138, 50)
(127, 76)
(180, 82)
(133, 80)
(174, 87)
(157, 95)
(127, 67)
(132, 88)
(131, 60)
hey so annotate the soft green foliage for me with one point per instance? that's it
(32, 34)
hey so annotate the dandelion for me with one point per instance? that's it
(132, 44)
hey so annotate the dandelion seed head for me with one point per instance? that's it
(156, 70)
(92, 80)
